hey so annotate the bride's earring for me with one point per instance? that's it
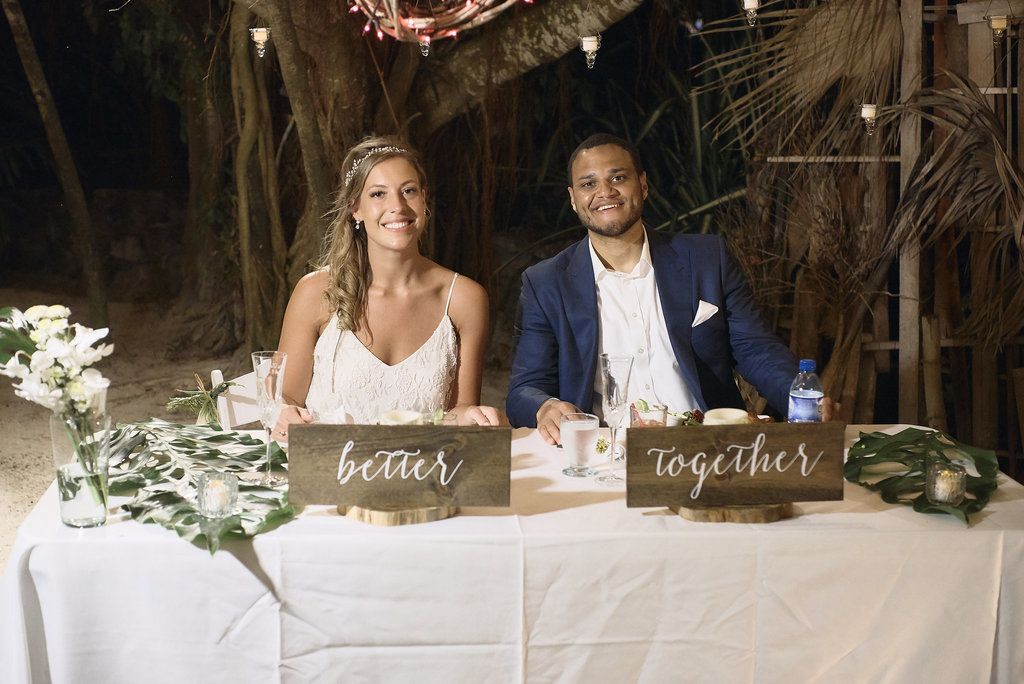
(426, 211)
(358, 226)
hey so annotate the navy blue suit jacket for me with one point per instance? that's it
(557, 329)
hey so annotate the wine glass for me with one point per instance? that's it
(615, 369)
(269, 367)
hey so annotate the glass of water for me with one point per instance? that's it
(579, 442)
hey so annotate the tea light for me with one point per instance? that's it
(945, 483)
(868, 111)
(217, 494)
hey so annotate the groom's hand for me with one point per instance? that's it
(548, 418)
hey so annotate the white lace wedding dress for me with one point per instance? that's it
(352, 385)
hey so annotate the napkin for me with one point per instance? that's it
(705, 310)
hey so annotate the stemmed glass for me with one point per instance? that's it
(269, 367)
(615, 369)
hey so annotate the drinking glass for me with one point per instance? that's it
(579, 440)
(269, 367)
(615, 369)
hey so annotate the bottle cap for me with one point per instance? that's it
(807, 365)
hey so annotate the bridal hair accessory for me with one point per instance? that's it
(360, 160)
(358, 226)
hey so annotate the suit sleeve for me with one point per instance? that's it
(534, 374)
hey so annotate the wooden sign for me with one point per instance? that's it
(399, 466)
(763, 463)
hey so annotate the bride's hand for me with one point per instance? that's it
(290, 414)
(482, 415)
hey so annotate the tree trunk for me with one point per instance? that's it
(247, 119)
(312, 226)
(78, 208)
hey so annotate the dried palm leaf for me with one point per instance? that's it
(812, 72)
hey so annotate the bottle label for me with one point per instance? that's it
(805, 409)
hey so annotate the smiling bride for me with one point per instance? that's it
(378, 326)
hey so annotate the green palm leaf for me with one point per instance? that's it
(157, 463)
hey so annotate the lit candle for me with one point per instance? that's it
(945, 484)
(590, 43)
(750, 4)
(217, 494)
(868, 111)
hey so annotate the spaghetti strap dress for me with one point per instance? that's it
(351, 385)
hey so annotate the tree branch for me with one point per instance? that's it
(541, 35)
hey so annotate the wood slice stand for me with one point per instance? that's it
(761, 513)
(384, 517)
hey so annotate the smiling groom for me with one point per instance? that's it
(677, 303)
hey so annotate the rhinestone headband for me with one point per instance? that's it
(376, 150)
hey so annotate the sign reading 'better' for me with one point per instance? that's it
(399, 466)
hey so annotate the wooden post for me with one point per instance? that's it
(931, 366)
(910, 285)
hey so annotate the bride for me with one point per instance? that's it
(379, 326)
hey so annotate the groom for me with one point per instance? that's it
(677, 303)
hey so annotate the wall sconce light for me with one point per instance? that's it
(750, 7)
(869, 112)
(998, 23)
(260, 36)
(590, 45)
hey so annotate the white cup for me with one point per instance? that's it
(579, 442)
(401, 417)
(726, 416)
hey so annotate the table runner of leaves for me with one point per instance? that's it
(904, 458)
(157, 463)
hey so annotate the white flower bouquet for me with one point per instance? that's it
(50, 361)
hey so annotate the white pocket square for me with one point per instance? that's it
(705, 310)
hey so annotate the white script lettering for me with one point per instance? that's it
(398, 464)
(738, 458)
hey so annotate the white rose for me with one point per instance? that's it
(34, 313)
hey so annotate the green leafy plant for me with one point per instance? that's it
(895, 467)
(199, 401)
(157, 464)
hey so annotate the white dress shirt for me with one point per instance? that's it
(632, 323)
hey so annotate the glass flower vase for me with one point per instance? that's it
(81, 453)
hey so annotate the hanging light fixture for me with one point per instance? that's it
(750, 7)
(998, 23)
(260, 36)
(590, 45)
(869, 113)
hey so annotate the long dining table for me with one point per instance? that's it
(565, 585)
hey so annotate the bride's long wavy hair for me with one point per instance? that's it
(344, 253)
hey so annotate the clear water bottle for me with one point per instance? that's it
(806, 395)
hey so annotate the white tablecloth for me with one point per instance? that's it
(567, 585)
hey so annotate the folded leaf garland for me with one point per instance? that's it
(157, 463)
(895, 467)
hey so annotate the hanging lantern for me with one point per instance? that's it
(590, 45)
(869, 113)
(260, 36)
(750, 7)
(425, 46)
(998, 23)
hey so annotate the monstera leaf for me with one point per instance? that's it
(156, 463)
(895, 467)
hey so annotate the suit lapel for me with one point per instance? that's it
(674, 274)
